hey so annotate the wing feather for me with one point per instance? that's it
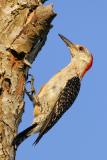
(65, 100)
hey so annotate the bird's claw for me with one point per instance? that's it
(32, 93)
(27, 63)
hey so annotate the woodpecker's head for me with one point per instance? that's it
(82, 59)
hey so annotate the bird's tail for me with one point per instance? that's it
(23, 135)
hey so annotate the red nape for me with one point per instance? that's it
(88, 66)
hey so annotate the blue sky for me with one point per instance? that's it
(82, 132)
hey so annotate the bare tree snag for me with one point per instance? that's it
(24, 25)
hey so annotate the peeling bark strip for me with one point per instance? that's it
(24, 25)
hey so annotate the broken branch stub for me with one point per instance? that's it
(26, 28)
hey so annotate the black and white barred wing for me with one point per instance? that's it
(65, 100)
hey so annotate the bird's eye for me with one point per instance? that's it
(81, 48)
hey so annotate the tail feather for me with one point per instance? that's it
(23, 135)
(38, 139)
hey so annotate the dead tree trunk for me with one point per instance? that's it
(24, 25)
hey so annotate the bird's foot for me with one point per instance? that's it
(32, 93)
(27, 63)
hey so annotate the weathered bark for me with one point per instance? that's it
(24, 25)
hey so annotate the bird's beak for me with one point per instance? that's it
(69, 44)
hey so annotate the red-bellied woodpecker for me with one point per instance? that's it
(58, 94)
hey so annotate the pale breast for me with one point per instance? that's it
(51, 91)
